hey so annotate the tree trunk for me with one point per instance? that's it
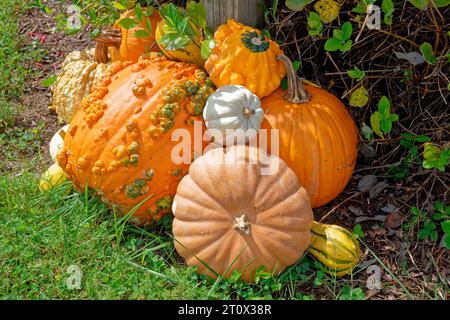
(249, 12)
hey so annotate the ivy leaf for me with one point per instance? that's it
(420, 4)
(367, 132)
(127, 23)
(346, 46)
(446, 227)
(49, 81)
(359, 97)
(375, 124)
(297, 5)
(356, 73)
(315, 25)
(347, 31)
(332, 44)
(427, 53)
(441, 3)
(388, 9)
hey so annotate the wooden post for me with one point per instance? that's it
(249, 12)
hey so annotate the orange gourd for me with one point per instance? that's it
(123, 44)
(119, 141)
(244, 56)
(318, 137)
(238, 210)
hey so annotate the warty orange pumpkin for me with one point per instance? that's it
(244, 56)
(123, 44)
(318, 137)
(119, 142)
(239, 210)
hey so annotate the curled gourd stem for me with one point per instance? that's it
(247, 112)
(296, 91)
(243, 225)
(110, 38)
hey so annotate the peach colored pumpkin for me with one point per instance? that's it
(226, 210)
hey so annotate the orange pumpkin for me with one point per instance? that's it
(318, 137)
(238, 210)
(119, 141)
(123, 44)
(244, 56)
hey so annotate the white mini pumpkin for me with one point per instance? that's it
(57, 142)
(231, 108)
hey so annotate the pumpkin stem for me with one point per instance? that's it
(243, 225)
(247, 112)
(296, 91)
(109, 38)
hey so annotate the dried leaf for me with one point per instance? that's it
(390, 208)
(367, 151)
(377, 189)
(367, 182)
(356, 211)
(413, 57)
(393, 220)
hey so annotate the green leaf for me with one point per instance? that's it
(206, 47)
(388, 9)
(72, 31)
(420, 4)
(127, 23)
(315, 25)
(427, 52)
(284, 84)
(375, 123)
(356, 73)
(314, 21)
(441, 3)
(338, 34)
(197, 13)
(118, 6)
(367, 132)
(141, 34)
(384, 106)
(445, 225)
(423, 234)
(332, 44)
(347, 46)
(357, 231)
(49, 81)
(447, 241)
(296, 64)
(359, 97)
(138, 13)
(297, 5)
(347, 30)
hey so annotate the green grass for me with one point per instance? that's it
(43, 234)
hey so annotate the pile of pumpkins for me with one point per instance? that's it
(121, 103)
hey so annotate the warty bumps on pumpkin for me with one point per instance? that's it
(244, 56)
(79, 73)
(119, 142)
